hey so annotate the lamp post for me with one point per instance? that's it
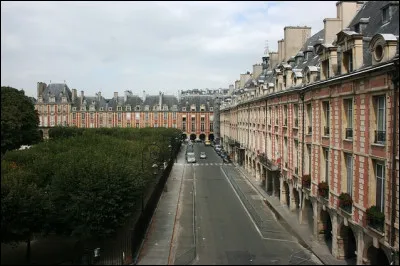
(154, 152)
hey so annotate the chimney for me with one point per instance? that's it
(281, 50)
(126, 94)
(332, 26)
(237, 84)
(74, 95)
(82, 95)
(257, 70)
(362, 25)
(244, 78)
(295, 37)
(99, 95)
(41, 86)
(273, 57)
(116, 95)
(345, 11)
(144, 95)
(160, 100)
(231, 89)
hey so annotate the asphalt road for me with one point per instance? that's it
(232, 224)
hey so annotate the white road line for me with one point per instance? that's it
(248, 214)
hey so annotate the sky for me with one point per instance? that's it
(152, 46)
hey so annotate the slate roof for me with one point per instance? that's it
(57, 90)
(198, 100)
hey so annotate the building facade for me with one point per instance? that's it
(318, 127)
(192, 111)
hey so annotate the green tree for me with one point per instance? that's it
(19, 120)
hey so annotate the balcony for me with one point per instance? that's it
(349, 133)
(267, 162)
(380, 137)
(296, 122)
(326, 131)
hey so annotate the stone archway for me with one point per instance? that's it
(192, 136)
(202, 137)
(325, 229)
(211, 137)
(307, 214)
(347, 245)
(295, 200)
(375, 256)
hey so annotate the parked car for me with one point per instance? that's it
(203, 155)
(217, 148)
(207, 143)
(191, 158)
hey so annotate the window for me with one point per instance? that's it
(348, 61)
(91, 116)
(83, 108)
(174, 115)
(385, 14)
(193, 124)
(73, 108)
(146, 108)
(380, 185)
(183, 109)
(128, 124)
(211, 127)
(73, 115)
(296, 115)
(296, 157)
(119, 108)
(202, 124)
(348, 105)
(327, 117)
(52, 99)
(137, 125)
(193, 108)
(269, 115)
(128, 108)
(380, 133)
(165, 124)
(137, 116)
(155, 115)
(349, 168)
(326, 158)
(165, 115)
(119, 117)
(285, 153)
(92, 108)
(137, 108)
(101, 108)
(325, 67)
(285, 114)
(276, 115)
(146, 116)
(211, 109)
(174, 125)
(109, 108)
(202, 108)
(184, 124)
(309, 116)
(128, 116)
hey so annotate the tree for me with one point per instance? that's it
(19, 120)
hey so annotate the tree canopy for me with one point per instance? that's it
(19, 120)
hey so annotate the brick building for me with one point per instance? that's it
(318, 127)
(192, 111)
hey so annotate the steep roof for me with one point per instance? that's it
(57, 90)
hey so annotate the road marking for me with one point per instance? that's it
(248, 214)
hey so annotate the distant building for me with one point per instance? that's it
(192, 111)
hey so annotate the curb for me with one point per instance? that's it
(283, 222)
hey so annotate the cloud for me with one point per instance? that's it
(143, 45)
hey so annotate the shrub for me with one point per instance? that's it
(323, 189)
(375, 218)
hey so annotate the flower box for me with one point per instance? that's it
(375, 218)
(306, 181)
(346, 202)
(323, 190)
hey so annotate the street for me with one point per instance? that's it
(232, 224)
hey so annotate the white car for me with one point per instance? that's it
(203, 155)
(191, 158)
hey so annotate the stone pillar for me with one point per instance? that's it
(283, 192)
(334, 235)
(292, 203)
(360, 247)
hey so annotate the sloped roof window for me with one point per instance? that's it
(128, 108)
(146, 108)
(137, 108)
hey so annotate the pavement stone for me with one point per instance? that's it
(289, 220)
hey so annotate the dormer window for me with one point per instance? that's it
(165, 107)
(193, 108)
(83, 108)
(64, 99)
(109, 108)
(385, 14)
(74, 109)
(174, 107)
(183, 109)
(202, 108)
(101, 109)
(348, 61)
(128, 108)
(137, 108)
(92, 108)
(119, 108)
(40, 99)
(146, 108)
(211, 109)
(52, 99)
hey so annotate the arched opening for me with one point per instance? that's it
(276, 184)
(347, 245)
(325, 229)
(211, 137)
(376, 256)
(296, 200)
(192, 137)
(286, 193)
(253, 168)
(269, 181)
(202, 137)
(263, 176)
(184, 136)
(308, 214)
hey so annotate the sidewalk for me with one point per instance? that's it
(157, 244)
(290, 221)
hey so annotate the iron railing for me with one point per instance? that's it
(380, 136)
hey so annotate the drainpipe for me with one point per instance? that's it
(395, 80)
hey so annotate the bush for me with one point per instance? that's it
(375, 218)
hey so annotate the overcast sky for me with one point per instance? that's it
(151, 46)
